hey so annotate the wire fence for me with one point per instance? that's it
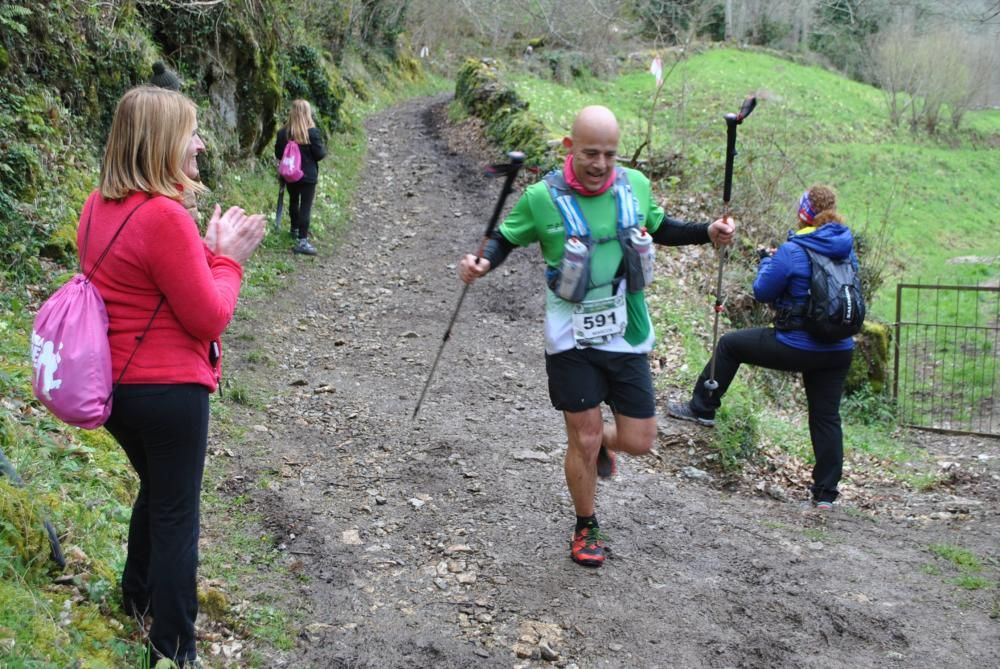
(946, 358)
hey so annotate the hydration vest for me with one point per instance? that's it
(628, 221)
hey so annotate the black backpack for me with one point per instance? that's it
(836, 307)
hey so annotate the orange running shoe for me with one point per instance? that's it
(588, 546)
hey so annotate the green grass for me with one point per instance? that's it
(969, 566)
(813, 534)
(971, 582)
(958, 556)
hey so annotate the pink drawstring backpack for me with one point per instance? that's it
(290, 167)
(70, 353)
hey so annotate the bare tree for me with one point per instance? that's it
(980, 57)
(895, 70)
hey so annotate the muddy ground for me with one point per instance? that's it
(443, 542)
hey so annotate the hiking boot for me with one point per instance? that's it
(588, 546)
(304, 247)
(683, 411)
(607, 463)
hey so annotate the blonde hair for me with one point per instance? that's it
(299, 121)
(148, 145)
(824, 202)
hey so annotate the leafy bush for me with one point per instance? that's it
(19, 171)
(19, 244)
(308, 79)
(866, 406)
(737, 434)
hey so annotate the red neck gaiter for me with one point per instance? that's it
(575, 184)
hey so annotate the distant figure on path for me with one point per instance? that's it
(301, 129)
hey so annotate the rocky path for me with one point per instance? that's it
(443, 542)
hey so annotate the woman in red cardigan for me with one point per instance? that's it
(169, 294)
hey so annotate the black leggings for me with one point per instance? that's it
(164, 431)
(300, 202)
(823, 373)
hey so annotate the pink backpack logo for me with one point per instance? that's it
(70, 353)
(290, 167)
(71, 357)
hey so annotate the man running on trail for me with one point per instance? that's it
(594, 222)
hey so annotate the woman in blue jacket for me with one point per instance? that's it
(783, 281)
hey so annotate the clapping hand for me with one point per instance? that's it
(234, 234)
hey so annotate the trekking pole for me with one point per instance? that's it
(281, 205)
(732, 120)
(510, 172)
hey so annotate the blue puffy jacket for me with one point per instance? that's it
(783, 279)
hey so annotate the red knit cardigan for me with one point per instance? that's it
(159, 253)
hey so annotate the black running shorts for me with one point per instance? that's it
(580, 379)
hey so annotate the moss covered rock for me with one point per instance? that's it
(479, 89)
(23, 538)
(871, 358)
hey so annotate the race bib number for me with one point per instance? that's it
(599, 321)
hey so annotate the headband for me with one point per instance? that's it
(806, 213)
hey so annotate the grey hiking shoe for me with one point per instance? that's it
(304, 247)
(683, 411)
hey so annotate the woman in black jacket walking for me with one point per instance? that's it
(301, 129)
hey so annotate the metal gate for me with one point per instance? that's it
(946, 358)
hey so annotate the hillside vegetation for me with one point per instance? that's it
(937, 196)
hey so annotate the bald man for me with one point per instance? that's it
(594, 222)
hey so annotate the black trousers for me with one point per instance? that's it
(164, 431)
(823, 374)
(300, 202)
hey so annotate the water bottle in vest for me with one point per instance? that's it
(572, 273)
(643, 244)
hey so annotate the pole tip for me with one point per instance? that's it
(516, 157)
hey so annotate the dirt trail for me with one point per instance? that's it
(444, 542)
